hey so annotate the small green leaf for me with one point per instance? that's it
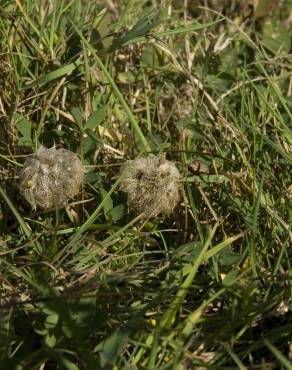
(113, 346)
(227, 257)
(117, 212)
(127, 77)
(39, 327)
(96, 118)
(230, 278)
(78, 117)
(151, 57)
(89, 146)
(68, 364)
(51, 321)
(92, 178)
(23, 141)
(24, 126)
(67, 330)
(276, 37)
(50, 340)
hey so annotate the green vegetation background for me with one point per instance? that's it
(209, 85)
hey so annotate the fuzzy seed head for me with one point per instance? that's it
(51, 177)
(152, 185)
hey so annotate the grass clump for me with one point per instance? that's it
(89, 286)
(51, 177)
(152, 185)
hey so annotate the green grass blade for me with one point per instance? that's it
(168, 318)
(116, 91)
(83, 228)
(279, 355)
(51, 76)
(22, 223)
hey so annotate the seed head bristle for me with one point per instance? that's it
(51, 177)
(152, 185)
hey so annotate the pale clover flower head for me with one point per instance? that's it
(153, 185)
(51, 177)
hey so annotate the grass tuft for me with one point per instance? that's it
(89, 285)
